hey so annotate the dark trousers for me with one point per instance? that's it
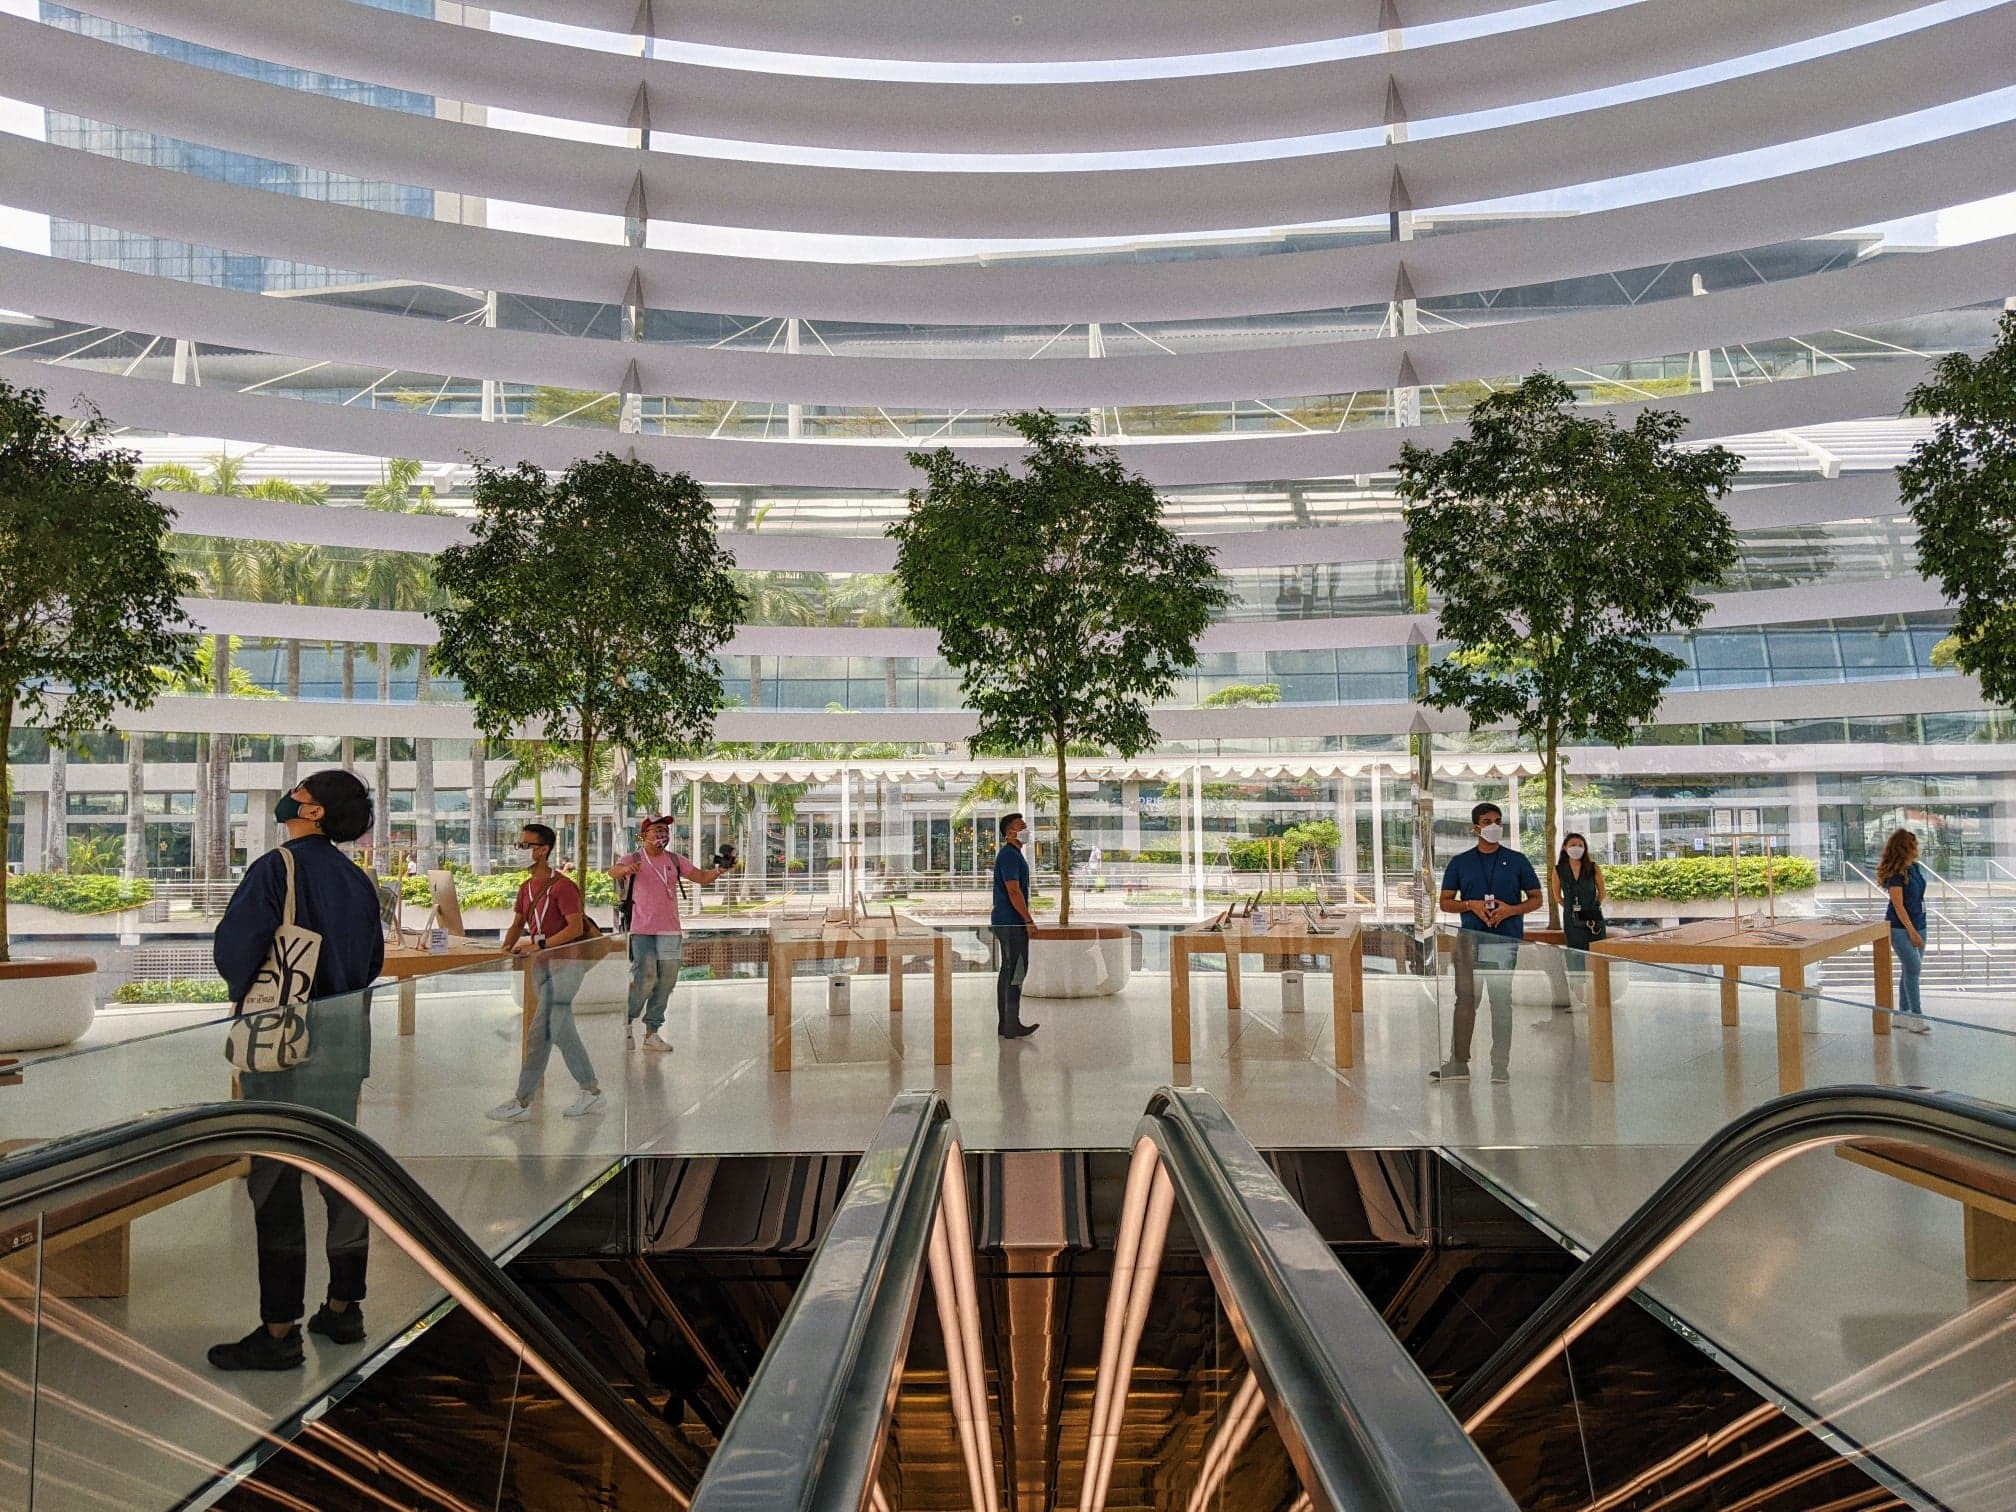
(283, 1242)
(1014, 942)
(1492, 958)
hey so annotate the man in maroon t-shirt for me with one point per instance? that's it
(548, 916)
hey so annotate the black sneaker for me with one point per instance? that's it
(259, 1350)
(345, 1327)
(1022, 1031)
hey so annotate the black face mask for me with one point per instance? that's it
(287, 807)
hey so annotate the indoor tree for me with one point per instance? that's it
(90, 597)
(1059, 595)
(549, 624)
(1960, 484)
(1562, 545)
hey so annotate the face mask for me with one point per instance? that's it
(1575, 853)
(287, 807)
(1491, 834)
(1020, 837)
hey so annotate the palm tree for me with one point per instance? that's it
(773, 599)
(870, 599)
(401, 580)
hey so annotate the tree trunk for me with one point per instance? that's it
(381, 749)
(1550, 759)
(758, 860)
(220, 768)
(587, 792)
(136, 805)
(7, 805)
(426, 829)
(349, 697)
(755, 682)
(56, 828)
(1063, 840)
(479, 806)
(199, 829)
(888, 682)
(290, 746)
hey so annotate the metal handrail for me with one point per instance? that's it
(1710, 1179)
(1362, 1424)
(77, 1167)
(809, 1431)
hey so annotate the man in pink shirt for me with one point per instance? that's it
(649, 878)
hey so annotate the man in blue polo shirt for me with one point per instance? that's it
(1493, 887)
(1013, 925)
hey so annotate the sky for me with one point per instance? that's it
(1958, 224)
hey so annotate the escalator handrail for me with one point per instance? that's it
(1708, 1180)
(809, 1431)
(78, 1167)
(1360, 1420)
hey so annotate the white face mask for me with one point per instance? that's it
(1491, 834)
(1575, 853)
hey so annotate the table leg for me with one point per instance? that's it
(1732, 979)
(1791, 1041)
(941, 1001)
(1231, 975)
(1885, 1001)
(1357, 970)
(1179, 1001)
(409, 1001)
(1344, 1002)
(896, 978)
(780, 1017)
(1602, 1050)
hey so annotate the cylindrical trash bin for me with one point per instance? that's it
(1291, 992)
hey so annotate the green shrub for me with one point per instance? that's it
(67, 892)
(1690, 878)
(176, 990)
(1160, 855)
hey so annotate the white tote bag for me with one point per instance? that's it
(270, 1032)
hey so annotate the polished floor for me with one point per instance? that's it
(1806, 1291)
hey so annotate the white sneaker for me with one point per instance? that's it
(509, 1112)
(654, 1041)
(586, 1103)
(1914, 1022)
(1450, 1071)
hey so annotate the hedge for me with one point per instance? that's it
(499, 889)
(1699, 877)
(176, 990)
(78, 893)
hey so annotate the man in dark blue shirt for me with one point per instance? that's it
(336, 899)
(1014, 926)
(1493, 887)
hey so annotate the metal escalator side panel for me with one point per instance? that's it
(809, 1431)
(77, 1168)
(1361, 1422)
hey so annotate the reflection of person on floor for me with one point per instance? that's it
(549, 916)
(1579, 893)
(657, 946)
(334, 898)
(1014, 927)
(1493, 887)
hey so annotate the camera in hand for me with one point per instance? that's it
(725, 858)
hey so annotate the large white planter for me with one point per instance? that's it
(45, 1004)
(1086, 960)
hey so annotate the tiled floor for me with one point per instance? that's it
(1834, 1245)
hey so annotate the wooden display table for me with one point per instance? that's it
(872, 943)
(405, 963)
(1787, 947)
(1987, 1198)
(1345, 950)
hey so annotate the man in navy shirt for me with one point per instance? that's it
(1014, 926)
(1493, 887)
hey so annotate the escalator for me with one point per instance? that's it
(1185, 1324)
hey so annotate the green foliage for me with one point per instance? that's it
(1689, 878)
(1960, 484)
(590, 606)
(89, 595)
(500, 889)
(1318, 837)
(95, 853)
(1243, 696)
(1065, 603)
(1562, 545)
(70, 892)
(175, 990)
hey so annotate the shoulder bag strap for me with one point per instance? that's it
(287, 915)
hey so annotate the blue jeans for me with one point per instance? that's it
(654, 972)
(1492, 958)
(554, 983)
(1909, 959)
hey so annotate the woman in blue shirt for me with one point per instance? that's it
(1899, 874)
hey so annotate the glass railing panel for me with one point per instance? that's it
(20, 1322)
